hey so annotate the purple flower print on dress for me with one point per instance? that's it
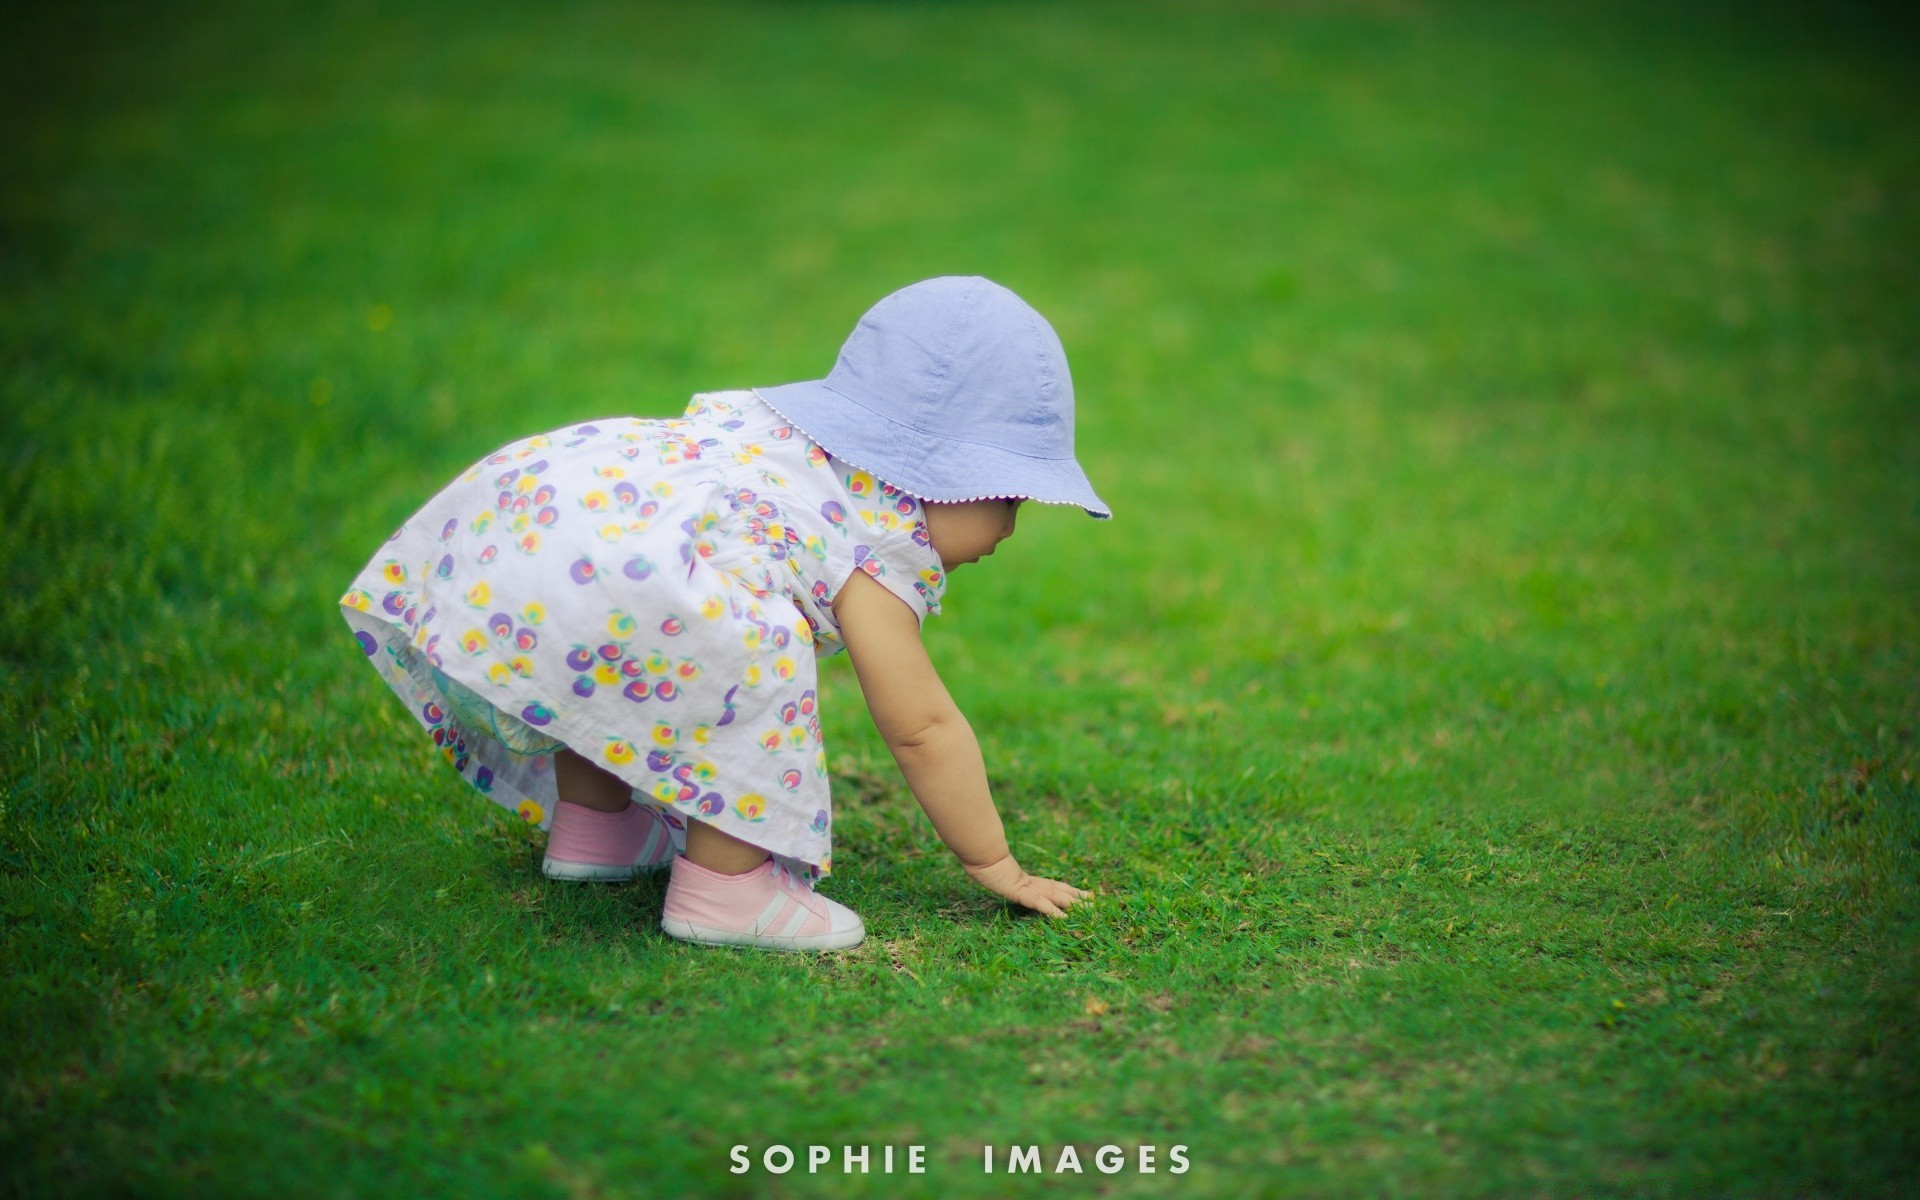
(537, 715)
(538, 467)
(658, 760)
(637, 568)
(500, 624)
(819, 825)
(526, 639)
(581, 571)
(579, 658)
(546, 516)
(637, 691)
(507, 477)
(394, 602)
(726, 718)
(367, 644)
(625, 493)
(483, 779)
(833, 512)
(446, 566)
(446, 531)
(544, 494)
(587, 430)
(583, 686)
(711, 804)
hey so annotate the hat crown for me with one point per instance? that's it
(961, 358)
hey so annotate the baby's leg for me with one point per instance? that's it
(582, 783)
(720, 852)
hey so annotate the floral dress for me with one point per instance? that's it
(651, 594)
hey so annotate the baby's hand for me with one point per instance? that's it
(1006, 878)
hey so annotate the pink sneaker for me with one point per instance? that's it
(585, 845)
(769, 907)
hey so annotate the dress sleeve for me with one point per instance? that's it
(891, 543)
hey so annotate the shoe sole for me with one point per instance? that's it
(578, 872)
(687, 931)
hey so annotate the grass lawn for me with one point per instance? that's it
(1491, 719)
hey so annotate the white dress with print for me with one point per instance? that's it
(651, 594)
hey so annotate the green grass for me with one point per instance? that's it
(1490, 720)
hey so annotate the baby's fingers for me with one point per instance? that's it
(1063, 894)
(1036, 898)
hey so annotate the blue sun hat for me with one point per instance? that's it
(950, 389)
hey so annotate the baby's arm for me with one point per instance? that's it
(933, 743)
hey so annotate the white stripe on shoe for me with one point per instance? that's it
(771, 912)
(800, 914)
(652, 848)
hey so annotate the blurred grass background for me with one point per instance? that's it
(1491, 718)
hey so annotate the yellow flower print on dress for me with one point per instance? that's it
(479, 595)
(534, 614)
(752, 806)
(712, 607)
(473, 641)
(531, 812)
(665, 735)
(393, 572)
(617, 751)
(621, 625)
(357, 599)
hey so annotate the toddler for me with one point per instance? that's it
(611, 629)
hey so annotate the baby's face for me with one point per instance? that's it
(968, 532)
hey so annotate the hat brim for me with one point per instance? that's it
(933, 468)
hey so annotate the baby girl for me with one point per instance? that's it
(612, 628)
